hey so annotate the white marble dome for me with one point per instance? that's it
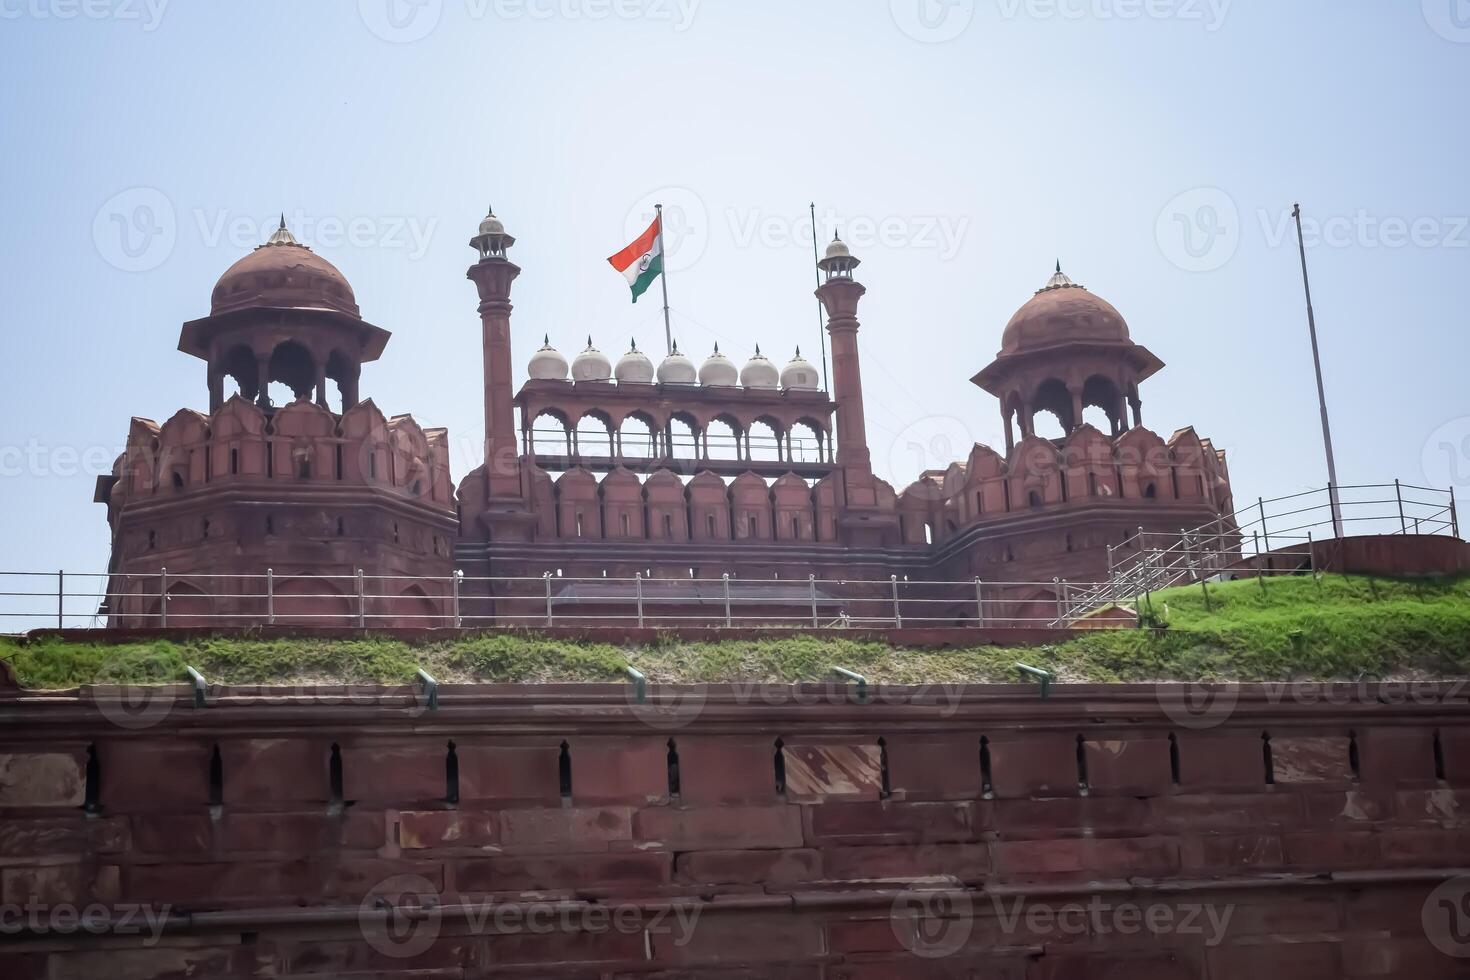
(718, 371)
(799, 374)
(759, 372)
(634, 367)
(591, 365)
(547, 364)
(676, 369)
(837, 249)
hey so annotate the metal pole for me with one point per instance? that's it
(1110, 561)
(547, 578)
(1398, 493)
(361, 602)
(1454, 517)
(979, 603)
(163, 597)
(1264, 533)
(897, 615)
(1056, 587)
(812, 582)
(638, 589)
(1311, 555)
(1296, 213)
(663, 255)
(270, 596)
(455, 583)
(727, 599)
(61, 598)
(821, 314)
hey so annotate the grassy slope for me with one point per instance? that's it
(1338, 628)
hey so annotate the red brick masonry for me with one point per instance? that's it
(977, 832)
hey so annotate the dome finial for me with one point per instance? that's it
(589, 341)
(717, 347)
(546, 339)
(283, 221)
(798, 350)
(282, 235)
(1059, 265)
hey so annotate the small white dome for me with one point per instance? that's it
(491, 225)
(591, 365)
(718, 371)
(676, 369)
(634, 367)
(548, 364)
(799, 374)
(837, 249)
(759, 372)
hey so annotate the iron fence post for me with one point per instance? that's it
(61, 598)
(547, 578)
(361, 602)
(897, 614)
(1110, 561)
(456, 579)
(728, 620)
(1454, 517)
(1261, 503)
(1056, 587)
(979, 602)
(812, 583)
(270, 597)
(163, 597)
(638, 590)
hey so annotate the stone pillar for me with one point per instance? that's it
(493, 278)
(263, 380)
(216, 389)
(840, 297)
(1076, 408)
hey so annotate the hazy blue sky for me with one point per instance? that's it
(1155, 146)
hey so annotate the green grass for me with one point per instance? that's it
(1296, 628)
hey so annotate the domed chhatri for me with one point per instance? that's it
(591, 365)
(634, 367)
(492, 240)
(718, 371)
(759, 372)
(283, 274)
(799, 374)
(548, 363)
(838, 262)
(676, 369)
(1063, 312)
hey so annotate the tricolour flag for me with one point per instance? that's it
(643, 261)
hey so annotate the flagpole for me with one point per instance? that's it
(821, 323)
(1321, 391)
(663, 255)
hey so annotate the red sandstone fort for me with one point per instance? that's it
(697, 474)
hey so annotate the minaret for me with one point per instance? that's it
(493, 275)
(839, 294)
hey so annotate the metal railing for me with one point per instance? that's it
(63, 599)
(1271, 536)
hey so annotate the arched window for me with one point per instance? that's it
(636, 437)
(723, 439)
(764, 441)
(550, 435)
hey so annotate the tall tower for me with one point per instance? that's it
(861, 522)
(493, 275)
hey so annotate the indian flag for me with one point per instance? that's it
(643, 261)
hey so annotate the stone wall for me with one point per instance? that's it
(724, 832)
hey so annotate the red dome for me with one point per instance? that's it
(1063, 313)
(284, 274)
